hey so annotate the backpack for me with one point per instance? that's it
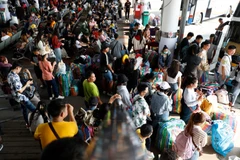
(184, 146)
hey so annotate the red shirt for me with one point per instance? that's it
(55, 42)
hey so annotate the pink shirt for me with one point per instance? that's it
(46, 68)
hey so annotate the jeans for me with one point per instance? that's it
(195, 156)
(220, 80)
(235, 92)
(52, 85)
(160, 118)
(174, 87)
(108, 76)
(58, 54)
(27, 105)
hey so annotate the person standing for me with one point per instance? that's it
(224, 69)
(203, 66)
(47, 75)
(90, 89)
(132, 33)
(56, 43)
(120, 8)
(35, 62)
(212, 50)
(191, 99)
(127, 10)
(106, 69)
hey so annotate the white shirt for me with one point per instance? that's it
(190, 97)
(5, 37)
(174, 80)
(137, 45)
(226, 63)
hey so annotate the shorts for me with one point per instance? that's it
(108, 76)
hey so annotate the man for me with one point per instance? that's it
(184, 45)
(221, 25)
(116, 51)
(198, 40)
(161, 103)
(58, 110)
(132, 33)
(212, 50)
(224, 69)
(17, 90)
(127, 10)
(106, 69)
(90, 89)
(116, 47)
(123, 91)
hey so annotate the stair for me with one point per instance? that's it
(19, 143)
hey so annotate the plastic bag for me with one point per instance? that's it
(233, 158)
(222, 137)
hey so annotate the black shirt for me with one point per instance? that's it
(128, 5)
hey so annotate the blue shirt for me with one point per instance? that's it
(161, 103)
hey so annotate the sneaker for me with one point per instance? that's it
(1, 147)
(41, 86)
(50, 98)
(60, 97)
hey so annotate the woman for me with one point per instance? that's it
(203, 66)
(140, 108)
(193, 61)
(40, 44)
(139, 42)
(191, 100)
(146, 33)
(165, 59)
(56, 43)
(174, 76)
(199, 137)
(47, 75)
(35, 62)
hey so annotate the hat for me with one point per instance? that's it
(33, 26)
(105, 45)
(93, 101)
(122, 78)
(163, 85)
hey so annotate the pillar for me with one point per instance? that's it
(169, 25)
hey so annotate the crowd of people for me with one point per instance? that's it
(147, 100)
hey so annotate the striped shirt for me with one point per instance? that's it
(199, 136)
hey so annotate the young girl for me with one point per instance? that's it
(194, 129)
(174, 75)
(191, 99)
(47, 75)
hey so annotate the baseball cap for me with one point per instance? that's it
(163, 85)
